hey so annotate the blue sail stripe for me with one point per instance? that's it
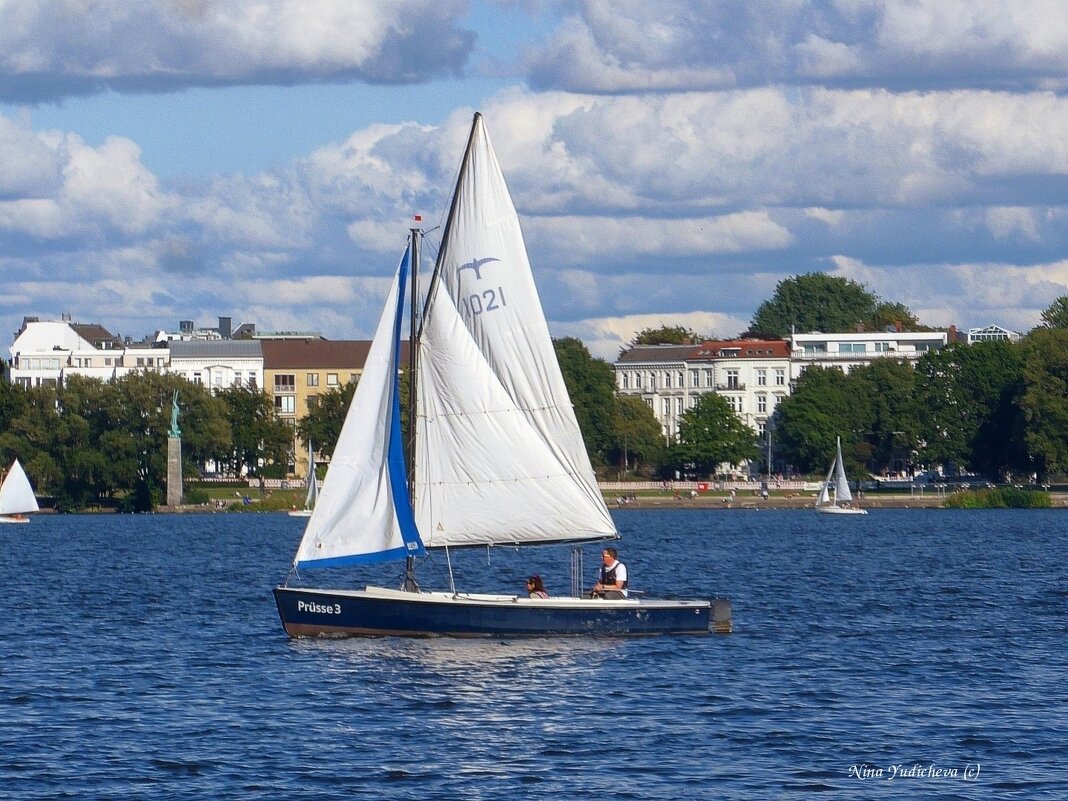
(373, 558)
(395, 459)
(398, 470)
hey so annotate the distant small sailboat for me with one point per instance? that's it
(313, 487)
(835, 490)
(16, 496)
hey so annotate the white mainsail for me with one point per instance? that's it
(499, 454)
(363, 511)
(16, 494)
(841, 483)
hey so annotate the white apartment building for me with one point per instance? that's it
(847, 351)
(753, 375)
(218, 363)
(46, 352)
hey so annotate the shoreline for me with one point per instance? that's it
(710, 501)
(713, 501)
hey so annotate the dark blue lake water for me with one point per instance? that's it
(909, 654)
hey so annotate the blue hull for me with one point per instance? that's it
(379, 612)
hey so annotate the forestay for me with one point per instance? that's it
(499, 455)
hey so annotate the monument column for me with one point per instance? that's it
(174, 458)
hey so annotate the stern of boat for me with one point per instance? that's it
(721, 616)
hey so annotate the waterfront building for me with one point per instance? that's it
(218, 363)
(848, 350)
(992, 333)
(298, 370)
(45, 352)
(188, 331)
(751, 374)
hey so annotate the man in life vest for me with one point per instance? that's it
(613, 583)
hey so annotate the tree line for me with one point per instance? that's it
(88, 443)
(996, 408)
(999, 409)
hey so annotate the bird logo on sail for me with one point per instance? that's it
(475, 266)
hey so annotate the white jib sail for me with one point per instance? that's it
(499, 454)
(825, 490)
(841, 483)
(16, 494)
(355, 516)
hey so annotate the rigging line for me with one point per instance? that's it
(439, 262)
(452, 579)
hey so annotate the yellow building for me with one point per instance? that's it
(297, 371)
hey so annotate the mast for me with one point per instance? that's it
(410, 583)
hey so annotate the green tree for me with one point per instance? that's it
(710, 434)
(638, 438)
(591, 384)
(324, 420)
(821, 302)
(824, 405)
(1056, 316)
(967, 409)
(260, 438)
(1045, 400)
(666, 335)
(43, 437)
(891, 431)
(139, 417)
(84, 408)
(13, 403)
(893, 315)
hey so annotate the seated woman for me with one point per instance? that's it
(535, 587)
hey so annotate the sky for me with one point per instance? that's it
(671, 161)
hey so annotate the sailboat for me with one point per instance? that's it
(16, 496)
(835, 490)
(313, 487)
(496, 457)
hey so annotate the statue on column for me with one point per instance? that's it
(175, 431)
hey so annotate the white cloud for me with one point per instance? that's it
(661, 205)
(78, 190)
(580, 240)
(1009, 222)
(614, 46)
(31, 167)
(53, 48)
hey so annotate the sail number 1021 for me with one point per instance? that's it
(485, 301)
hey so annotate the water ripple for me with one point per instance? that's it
(143, 659)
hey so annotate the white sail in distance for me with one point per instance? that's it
(16, 494)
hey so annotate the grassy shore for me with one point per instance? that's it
(798, 500)
(231, 500)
